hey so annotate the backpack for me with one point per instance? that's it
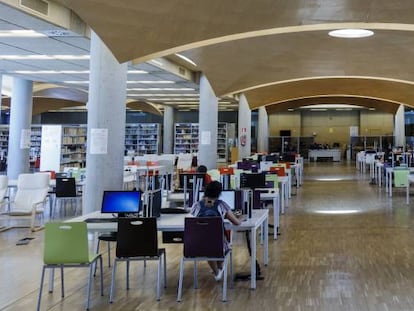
(209, 211)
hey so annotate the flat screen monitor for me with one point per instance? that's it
(252, 180)
(272, 157)
(231, 197)
(121, 202)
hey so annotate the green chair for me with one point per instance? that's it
(401, 177)
(66, 245)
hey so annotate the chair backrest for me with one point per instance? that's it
(65, 187)
(214, 174)
(137, 237)
(226, 170)
(65, 243)
(3, 186)
(271, 180)
(401, 177)
(280, 170)
(31, 188)
(203, 237)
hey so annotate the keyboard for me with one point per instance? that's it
(98, 220)
(173, 210)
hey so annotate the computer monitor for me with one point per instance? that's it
(252, 180)
(121, 202)
(231, 197)
(272, 157)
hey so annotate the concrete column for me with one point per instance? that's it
(168, 130)
(1, 92)
(263, 131)
(21, 107)
(106, 112)
(208, 118)
(245, 127)
(399, 126)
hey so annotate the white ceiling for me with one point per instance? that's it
(183, 93)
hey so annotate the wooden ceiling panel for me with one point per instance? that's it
(367, 103)
(385, 90)
(145, 28)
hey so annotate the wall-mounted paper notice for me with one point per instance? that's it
(206, 138)
(25, 139)
(99, 141)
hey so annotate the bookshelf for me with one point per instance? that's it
(35, 142)
(186, 138)
(143, 138)
(4, 140)
(222, 150)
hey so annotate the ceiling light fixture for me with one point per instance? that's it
(351, 33)
(160, 89)
(186, 59)
(44, 57)
(137, 71)
(21, 34)
(150, 82)
(51, 71)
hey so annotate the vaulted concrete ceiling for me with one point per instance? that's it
(273, 51)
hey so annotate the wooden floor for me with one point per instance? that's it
(361, 259)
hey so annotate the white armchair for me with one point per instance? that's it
(30, 198)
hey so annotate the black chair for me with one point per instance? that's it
(137, 239)
(65, 190)
(107, 237)
(198, 230)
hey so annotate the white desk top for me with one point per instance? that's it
(171, 222)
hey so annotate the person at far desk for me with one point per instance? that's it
(210, 205)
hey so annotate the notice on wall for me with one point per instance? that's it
(99, 141)
(206, 138)
(50, 148)
(353, 131)
(25, 139)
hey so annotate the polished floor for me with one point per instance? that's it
(344, 246)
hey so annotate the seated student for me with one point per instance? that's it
(210, 205)
(203, 169)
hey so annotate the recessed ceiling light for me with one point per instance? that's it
(351, 33)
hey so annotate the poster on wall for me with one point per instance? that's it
(353, 131)
(50, 148)
(25, 138)
(99, 141)
(206, 138)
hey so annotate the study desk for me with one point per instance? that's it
(410, 180)
(335, 154)
(175, 222)
(271, 194)
(283, 182)
(389, 171)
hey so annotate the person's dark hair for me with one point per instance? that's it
(202, 169)
(213, 190)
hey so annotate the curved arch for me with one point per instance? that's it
(367, 103)
(143, 106)
(386, 90)
(174, 26)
